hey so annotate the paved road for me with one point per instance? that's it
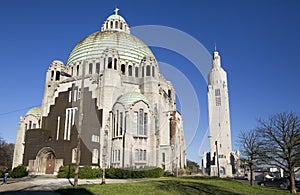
(45, 185)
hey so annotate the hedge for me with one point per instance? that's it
(87, 172)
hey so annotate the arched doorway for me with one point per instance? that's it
(45, 161)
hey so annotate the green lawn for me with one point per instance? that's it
(182, 185)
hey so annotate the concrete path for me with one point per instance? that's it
(46, 184)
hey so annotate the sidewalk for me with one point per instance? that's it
(47, 184)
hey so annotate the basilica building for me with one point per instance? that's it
(111, 96)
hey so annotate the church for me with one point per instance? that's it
(110, 97)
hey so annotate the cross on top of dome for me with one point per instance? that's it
(116, 11)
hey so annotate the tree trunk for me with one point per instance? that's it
(292, 181)
(251, 175)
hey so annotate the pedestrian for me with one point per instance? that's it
(5, 177)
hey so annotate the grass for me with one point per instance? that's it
(182, 185)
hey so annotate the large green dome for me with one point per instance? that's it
(128, 47)
(35, 111)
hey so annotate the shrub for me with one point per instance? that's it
(86, 172)
(66, 171)
(116, 173)
(18, 172)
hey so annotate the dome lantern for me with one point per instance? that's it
(115, 22)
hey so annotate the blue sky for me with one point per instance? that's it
(258, 42)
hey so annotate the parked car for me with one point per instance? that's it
(282, 183)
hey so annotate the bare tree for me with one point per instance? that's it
(6, 153)
(280, 143)
(250, 147)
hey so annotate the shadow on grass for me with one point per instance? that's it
(74, 191)
(183, 187)
(28, 192)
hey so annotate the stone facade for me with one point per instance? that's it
(129, 109)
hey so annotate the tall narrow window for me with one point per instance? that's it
(117, 128)
(137, 72)
(114, 125)
(141, 116)
(121, 25)
(95, 156)
(115, 64)
(74, 155)
(57, 77)
(52, 74)
(30, 124)
(90, 68)
(145, 123)
(129, 70)
(218, 97)
(77, 69)
(143, 71)
(72, 71)
(135, 122)
(109, 66)
(163, 157)
(116, 24)
(106, 25)
(70, 96)
(58, 126)
(26, 126)
(98, 68)
(148, 70)
(121, 123)
(153, 73)
(123, 69)
(111, 24)
(69, 122)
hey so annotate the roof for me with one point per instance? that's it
(35, 111)
(131, 98)
(93, 46)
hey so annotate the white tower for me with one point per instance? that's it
(219, 120)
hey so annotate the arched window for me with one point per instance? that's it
(72, 71)
(57, 76)
(121, 25)
(143, 71)
(104, 63)
(163, 157)
(111, 24)
(106, 25)
(130, 70)
(148, 70)
(136, 71)
(77, 70)
(52, 74)
(123, 69)
(90, 68)
(153, 73)
(109, 63)
(98, 68)
(116, 24)
(115, 63)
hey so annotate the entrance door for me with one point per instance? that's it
(50, 166)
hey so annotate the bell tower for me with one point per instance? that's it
(219, 120)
